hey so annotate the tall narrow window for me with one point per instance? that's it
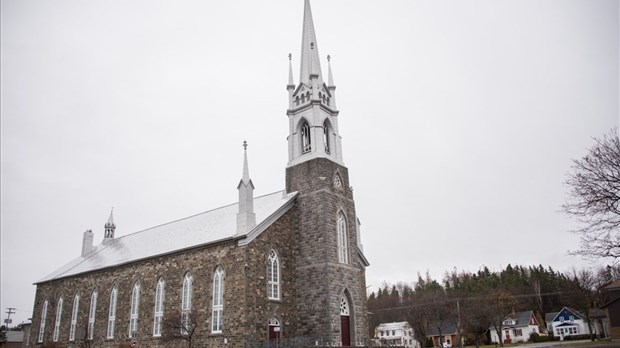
(306, 143)
(218, 300)
(159, 308)
(57, 322)
(112, 312)
(186, 304)
(91, 314)
(273, 276)
(43, 320)
(74, 315)
(133, 312)
(326, 136)
(343, 241)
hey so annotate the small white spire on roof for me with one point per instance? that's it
(246, 219)
(310, 64)
(330, 79)
(291, 83)
(109, 227)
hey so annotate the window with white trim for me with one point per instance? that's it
(74, 315)
(343, 240)
(218, 300)
(159, 308)
(133, 311)
(112, 312)
(273, 276)
(186, 303)
(42, 324)
(57, 321)
(91, 314)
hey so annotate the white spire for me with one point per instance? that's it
(310, 64)
(246, 219)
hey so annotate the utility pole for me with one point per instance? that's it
(8, 320)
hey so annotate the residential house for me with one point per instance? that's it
(444, 335)
(567, 322)
(612, 306)
(396, 334)
(517, 328)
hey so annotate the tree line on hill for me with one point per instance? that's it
(476, 302)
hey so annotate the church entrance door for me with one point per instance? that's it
(345, 325)
(274, 333)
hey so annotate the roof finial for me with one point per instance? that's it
(245, 145)
(330, 79)
(310, 65)
(290, 56)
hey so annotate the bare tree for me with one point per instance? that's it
(180, 327)
(594, 199)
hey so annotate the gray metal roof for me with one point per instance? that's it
(205, 228)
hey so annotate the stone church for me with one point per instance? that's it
(283, 269)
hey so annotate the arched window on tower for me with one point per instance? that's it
(303, 98)
(343, 241)
(306, 143)
(186, 304)
(57, 320)
(273, 276)
(158, 316)
(218, 300)
(326, 132)
(42, 324)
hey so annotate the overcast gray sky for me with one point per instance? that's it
(459, 122)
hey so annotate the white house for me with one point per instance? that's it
(516, 328)
(567, 322)
(396, 334)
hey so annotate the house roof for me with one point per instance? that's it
(394, 326)
(522, 318)
(201, 229)
(613, 285)
(550, 317)
(446, 329)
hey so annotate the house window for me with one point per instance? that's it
(517, 332)
(306, 143)
(74, 314)
(561, 319)
(134, 308)
(91, 314)
(43, 320)
(112, 312)
(273, 276)
(572, 318)
(57, 322)
(343, 242)
(326, 136)
(218, 300)
(186, 303)
(159, 308)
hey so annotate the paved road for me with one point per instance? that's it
(573, 344)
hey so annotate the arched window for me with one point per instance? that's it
(134, 308)
(306, 143)
(297, 100)
(218, 300)
(43, 320)
(186, 303)
(158, 316)
(74, 314)
(343, 241)
(112, 312)
(326, 136)
(91, 314)
(303, 98)
(58, 317)
(273, 276)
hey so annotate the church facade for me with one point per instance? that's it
(283, 269)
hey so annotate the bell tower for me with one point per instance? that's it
(330, 266)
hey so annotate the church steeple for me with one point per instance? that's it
(313, 121)
(310, 64)
(246, 219)
(110, 228)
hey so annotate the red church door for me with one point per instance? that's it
(345, 325)
(274, 333)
